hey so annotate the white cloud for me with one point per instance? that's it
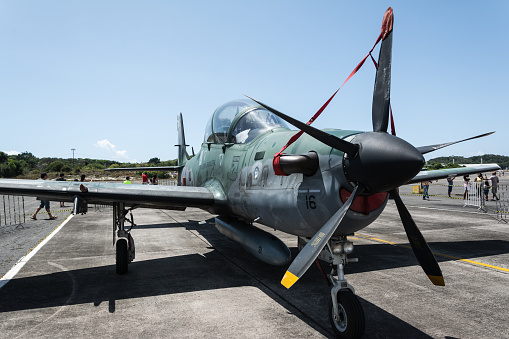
(108, 146)
(11, 152)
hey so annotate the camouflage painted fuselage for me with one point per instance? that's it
(242, 176)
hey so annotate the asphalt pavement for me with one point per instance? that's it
(189, 281)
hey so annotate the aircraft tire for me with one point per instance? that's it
(351, 322)
(122, 257)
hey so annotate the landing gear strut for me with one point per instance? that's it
(345, 311)
(122, 239)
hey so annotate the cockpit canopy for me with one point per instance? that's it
(240, 121)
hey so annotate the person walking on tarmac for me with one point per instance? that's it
(425, 185)
(494, 186)
(44, 203)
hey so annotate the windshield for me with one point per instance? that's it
(252, 122)
(218, 126)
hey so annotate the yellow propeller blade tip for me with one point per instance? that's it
(289, 279)
(437, 280)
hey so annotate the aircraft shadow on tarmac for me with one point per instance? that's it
(308, 299)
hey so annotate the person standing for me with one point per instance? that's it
(449, 185)
(494, 186)
(61, 178)
(154, 180)
(486, 188)
(478, 181)
(425, 185)
(44, 203)
(144, 178)
(127, 180)
(466, 184)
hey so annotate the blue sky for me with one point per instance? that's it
(108, 78)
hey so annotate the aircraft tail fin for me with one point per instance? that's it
(183, 156)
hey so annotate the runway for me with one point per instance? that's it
(189, 281)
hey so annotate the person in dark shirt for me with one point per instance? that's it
(61, 178)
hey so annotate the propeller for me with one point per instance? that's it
(313, 248)
(326, 138)
(431, 148)
(382, 91)
(377, 162)
(421, 249)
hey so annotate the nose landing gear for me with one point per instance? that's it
(345, 311)
(122, 239)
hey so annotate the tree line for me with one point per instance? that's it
(12, 166)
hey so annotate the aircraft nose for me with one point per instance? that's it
(383, 162)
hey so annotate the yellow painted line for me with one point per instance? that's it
(473, 262)
(362, 236)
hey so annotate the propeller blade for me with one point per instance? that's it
(431, 148)
(328, 139)
(382, 91)
(313, 248)
(421, 249)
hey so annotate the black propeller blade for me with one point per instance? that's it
(382, 91)
(431, 148)
(313, 248)
(330, 140)
(421, 249)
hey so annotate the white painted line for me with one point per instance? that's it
(19, 265)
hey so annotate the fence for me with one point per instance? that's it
(13, 208)
(167, 182)
(475, 196)
(503, 203)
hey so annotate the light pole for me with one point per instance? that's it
(73, 149)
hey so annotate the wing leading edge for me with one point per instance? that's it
(151, 196)
(452, 172)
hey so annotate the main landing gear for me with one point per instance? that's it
(345, 311)
(122, 239)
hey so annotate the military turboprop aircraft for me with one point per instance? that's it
(329, 184)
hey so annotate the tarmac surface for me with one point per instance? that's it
(190, 281)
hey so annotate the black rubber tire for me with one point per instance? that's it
(352, 315)
(122, 257)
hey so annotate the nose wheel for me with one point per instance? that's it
(346, 315)
(122, 239)
(345, 311)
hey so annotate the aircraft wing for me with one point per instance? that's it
(452, 172)
(151, 196)
(153, 169)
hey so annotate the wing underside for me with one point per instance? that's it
(151, 196)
